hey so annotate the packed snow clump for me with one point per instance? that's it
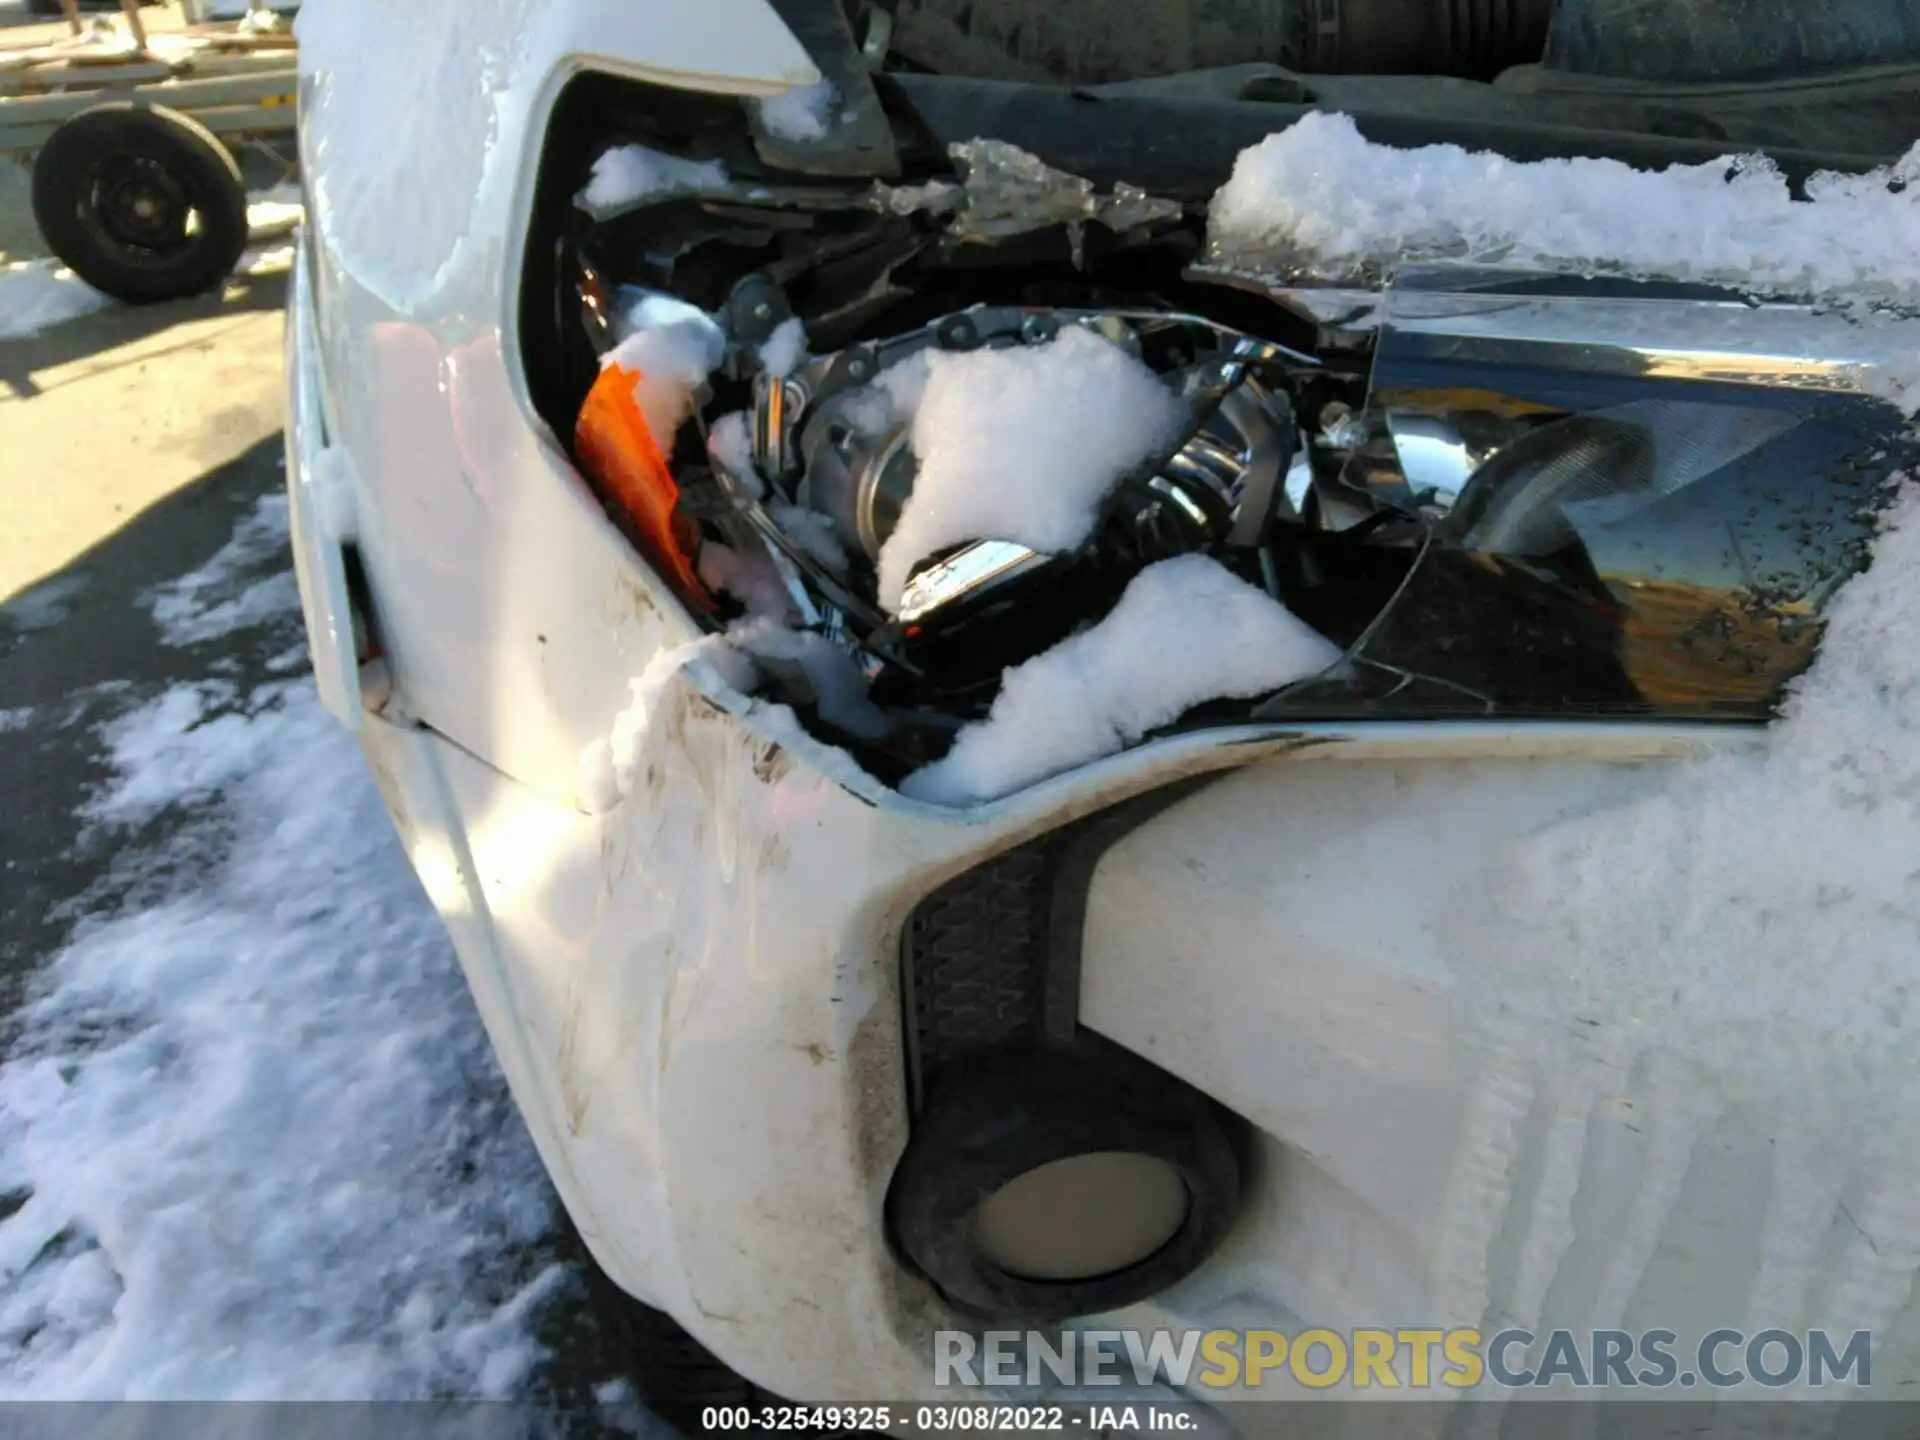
(637, 309)
(1756, 915)
(1022, 445)
(40, 293)
(806, 112)
(812, 532)
(672, 349)
(730, 448)
(1319, 199)
(733, 661)
(607, 766)
(748, 576)
(783, 350)
(1186, 630)
(628, 173)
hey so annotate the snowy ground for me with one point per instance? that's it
(35, 294)
(252, 1140)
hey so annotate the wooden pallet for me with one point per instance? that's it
(231, 80)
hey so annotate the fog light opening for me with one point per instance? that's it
(1082, 1216)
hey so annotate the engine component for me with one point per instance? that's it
(1218, 482)
(835, 439)
(858, 480)
(975, 573)
(1175, 501)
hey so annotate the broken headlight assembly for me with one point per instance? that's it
(1497, 495)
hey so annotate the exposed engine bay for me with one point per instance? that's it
(1473, 486)
(826, 440)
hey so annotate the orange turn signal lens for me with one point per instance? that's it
(619, 453)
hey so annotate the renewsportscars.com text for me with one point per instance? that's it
(1406, 1358)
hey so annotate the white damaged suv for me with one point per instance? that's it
(1090, 672)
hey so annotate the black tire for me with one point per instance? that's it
(675, 1376)
(113, 189)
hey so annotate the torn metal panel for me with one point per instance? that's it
(1011, 192)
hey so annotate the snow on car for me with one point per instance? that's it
(1015, 722)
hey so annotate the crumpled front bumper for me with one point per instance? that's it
(695, 996)
(696, 1000)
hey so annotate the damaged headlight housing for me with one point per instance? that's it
(942, 428)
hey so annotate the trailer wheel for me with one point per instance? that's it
(141, 202)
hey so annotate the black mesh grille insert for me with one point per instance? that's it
(976, 956)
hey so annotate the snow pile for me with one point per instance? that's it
(783, 350)
(1756, 916)
(1186, 630)
(606, 767)
(640, 311)
(40, 293)
(279, 207)
(628, 173)
(261, 1144)
(814, 669)
(672, 351)
(812, 532)
(749, 576)
(806, 112)
(730, 448)
(1023, 445)
(1318, 198)
(228, 593)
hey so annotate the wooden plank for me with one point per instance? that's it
(167, 48)
(181, 90)
(180, 94)
(42, 78)
(227, 122)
